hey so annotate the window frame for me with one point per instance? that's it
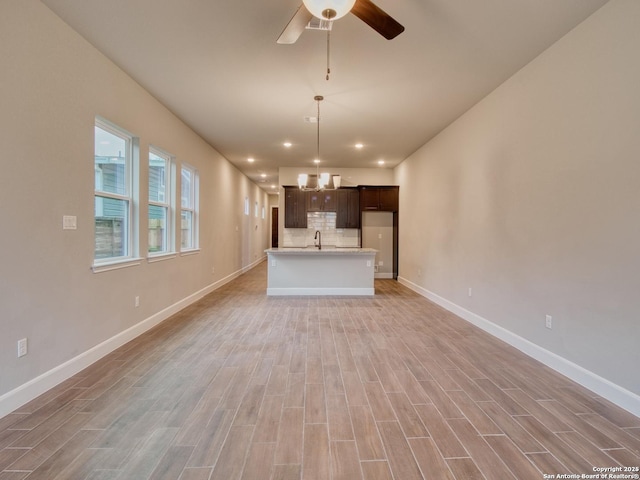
(168, 204)
(193, 209)
(129, 196)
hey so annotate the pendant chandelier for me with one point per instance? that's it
(323, 180)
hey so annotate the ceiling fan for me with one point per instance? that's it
(331, 10)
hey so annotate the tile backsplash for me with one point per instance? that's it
(325, 222)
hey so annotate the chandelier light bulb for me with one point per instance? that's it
(329, 9)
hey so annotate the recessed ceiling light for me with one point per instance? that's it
(251, 159)
(263, 175)
(380, 162)
(287, 144)
(316, 161)
(359, 145)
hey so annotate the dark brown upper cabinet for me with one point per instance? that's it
(348, 208)
(295, 208)
(379, 198)
(322, 201)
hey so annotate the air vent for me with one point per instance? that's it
(319, 24)
(310, 119)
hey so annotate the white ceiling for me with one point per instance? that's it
(217, 66)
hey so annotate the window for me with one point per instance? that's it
(188, 213)
(255, 210)
(263, 212)
(113, 197)
(246, 205)
(160, 202)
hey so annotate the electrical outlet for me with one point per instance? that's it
(470, 291)
(381, 263)
(548, 321)
(22, 347)
(368, 263)
(136, 301)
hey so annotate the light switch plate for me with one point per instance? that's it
(69, 222)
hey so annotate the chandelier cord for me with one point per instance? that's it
(328, 51)
(318, 130)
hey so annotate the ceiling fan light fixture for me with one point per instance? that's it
(329, 9)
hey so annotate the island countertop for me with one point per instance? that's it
(328, 250)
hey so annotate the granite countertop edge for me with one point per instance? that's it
(325, 250)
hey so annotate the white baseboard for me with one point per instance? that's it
(254, 264)
(599, 385)
(383, 275)
(26, 392)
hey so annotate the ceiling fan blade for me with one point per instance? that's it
(377, 19)
(295, 27)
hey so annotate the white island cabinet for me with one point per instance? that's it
(328, 271)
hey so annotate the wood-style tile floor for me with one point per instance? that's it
(242, 386)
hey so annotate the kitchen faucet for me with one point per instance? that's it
(319, 238)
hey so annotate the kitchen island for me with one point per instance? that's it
(326, 271)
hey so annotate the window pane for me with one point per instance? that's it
(110, 162)
(186, 229)
(157, 178)
(186, 189)
(157, 229)
(110, 227)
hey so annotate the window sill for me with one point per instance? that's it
(192, 251)
(161, 257)
(116, 265)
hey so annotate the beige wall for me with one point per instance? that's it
(52, 85)
(532, 199)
